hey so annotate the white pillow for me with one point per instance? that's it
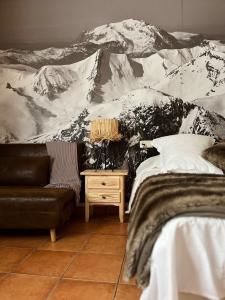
(149, 163)
(193, 143)
(183, 152)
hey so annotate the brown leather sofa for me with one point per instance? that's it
(24, 202)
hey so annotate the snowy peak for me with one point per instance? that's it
(133, 37)
(54, 80)
(201, 121)
(201, 77)
(218, 46)
(187, 39)
(146, 96)
(136, 37)
(114, 75)
(213, 62)
(213, 103)
(109, 76)
(51, 80)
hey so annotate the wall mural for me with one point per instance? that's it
(155, 82)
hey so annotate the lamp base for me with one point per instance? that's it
(102, 158)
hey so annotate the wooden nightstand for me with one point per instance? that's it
(104, 187)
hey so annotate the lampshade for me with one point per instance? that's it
(105, 129)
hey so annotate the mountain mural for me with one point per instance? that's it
(155, 82)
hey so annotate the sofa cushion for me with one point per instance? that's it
(26, 171)
(33, 207)
(34, 198)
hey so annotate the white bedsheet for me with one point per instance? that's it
(189, 256)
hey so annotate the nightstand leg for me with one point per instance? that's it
(121, 213)
(86, 200)
(121, 207)
(53, 235)
(86, 211)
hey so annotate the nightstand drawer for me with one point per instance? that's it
(103, 182)
(96, 196)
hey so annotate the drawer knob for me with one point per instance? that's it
(103, 183)
(103, 197)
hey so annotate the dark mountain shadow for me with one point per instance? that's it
(138, 70)
(102, 76)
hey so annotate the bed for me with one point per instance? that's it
(187, 258)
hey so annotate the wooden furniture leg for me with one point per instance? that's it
(86, 201)
(121, 206)
(87, 211)
(53, 235)
(121, 213)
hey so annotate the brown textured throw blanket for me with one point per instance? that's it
(161, 198)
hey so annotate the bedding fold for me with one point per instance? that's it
(159, 199)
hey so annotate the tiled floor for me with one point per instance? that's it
(85, 263)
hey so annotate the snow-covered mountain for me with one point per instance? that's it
(188, 39)
(47, 98)
(52, 56)
(202, 77)
(144, 114)
(218, 46)
(202, 121)
(213, 103)
(154, 82)
(129, 36)
(117, 74)
(136, 37)
(52, 80)
(36, 58)
(55, 94)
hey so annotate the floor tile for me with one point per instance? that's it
(107, 244)
(24, 287)
(112, 228)
(10, 257)
(127, 292)
(50, 263)
(131, 281)
(95, 267)
(24, 241)
(2, 275)
(77, 290)
(2, 241)
(80, 227)
(73, 242)
(105, 219)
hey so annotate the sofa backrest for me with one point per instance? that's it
(24, 170)
(38, 150)
(23, 150)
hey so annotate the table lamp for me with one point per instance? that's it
(104, 130)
